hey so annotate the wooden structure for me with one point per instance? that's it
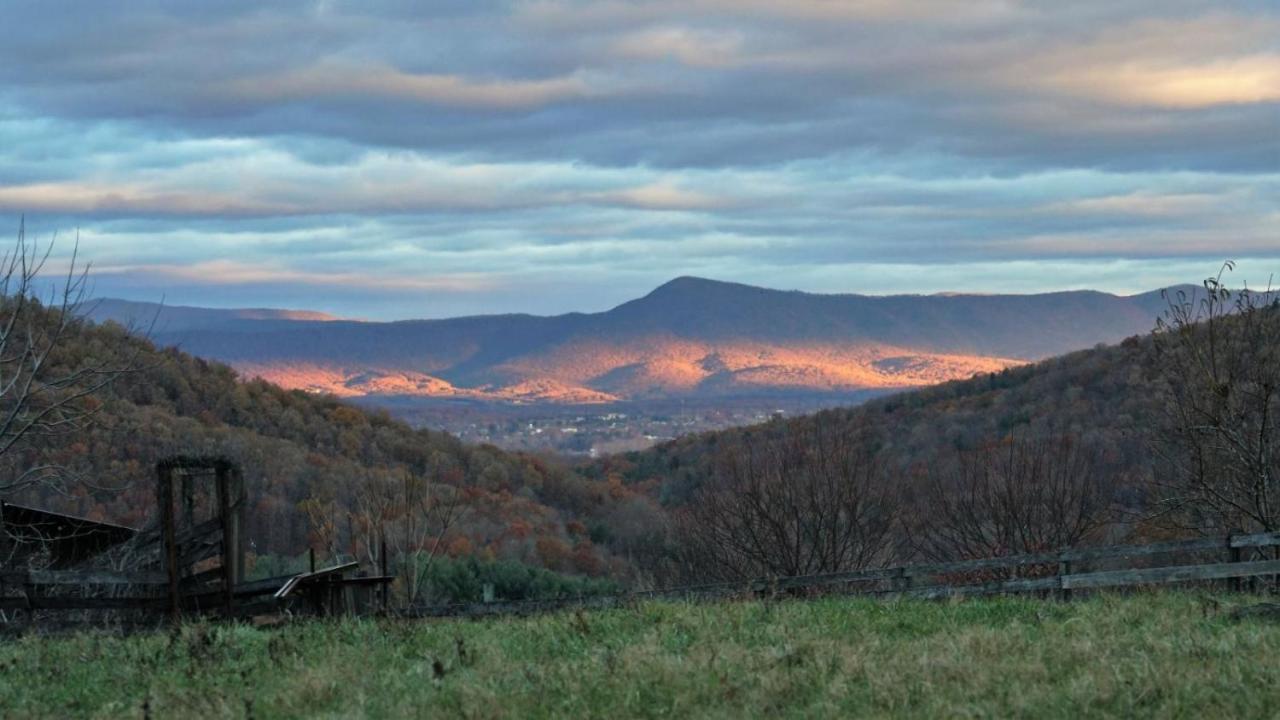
(197, 526)
(190, 560)
(64, 540)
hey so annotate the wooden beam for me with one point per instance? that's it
(224, 517)
(305, 578)
(1180, 573)
(164, 493)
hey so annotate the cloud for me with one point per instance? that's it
(582, 151)
(83, 198)
(695, 48)
(380, 81)
(230, 272)
(662, 195)
(1183, 64)
(260, 181)
(1140, 204)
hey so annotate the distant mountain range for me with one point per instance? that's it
(689, 338)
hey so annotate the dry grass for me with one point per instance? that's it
(1175, 654)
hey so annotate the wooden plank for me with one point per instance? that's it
(203, 576)
(1180, 573)
(262, 587)
(838, 578)
(305, 578)
(1098, 553)
(1159, 548)
(1256, 540)
(83, 577)
(203, 550)
(991, 588)
(368, 580)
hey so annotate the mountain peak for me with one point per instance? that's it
(689, 282)
(692, 287)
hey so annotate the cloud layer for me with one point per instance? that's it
(397, 159)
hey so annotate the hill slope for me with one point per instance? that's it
(294, 447)
(1107, 396)
(690, 338)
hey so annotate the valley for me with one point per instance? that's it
(692, 355)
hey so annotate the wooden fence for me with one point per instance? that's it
(333, 590)
(1058, 574)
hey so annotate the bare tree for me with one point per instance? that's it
(1219, 442)
(809, 501)
(409, 520)
(44, 393)
(1021, 495)
(40, 394)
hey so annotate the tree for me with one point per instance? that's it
(42, 392)
(810, 500)
(1219, 441)
(1021, 495)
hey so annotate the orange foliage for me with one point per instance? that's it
(552, 551)
(459, 547)
(585, 559)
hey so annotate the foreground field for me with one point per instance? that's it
(1173, 654)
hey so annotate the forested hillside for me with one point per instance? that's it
(296, 447)
(1105, 394)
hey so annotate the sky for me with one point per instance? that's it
(392, 159)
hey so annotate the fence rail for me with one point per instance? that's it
(951, 579)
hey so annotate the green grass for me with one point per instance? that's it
(1167, 655)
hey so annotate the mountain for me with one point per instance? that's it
(689, 338)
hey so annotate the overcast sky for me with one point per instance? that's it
(421, 159)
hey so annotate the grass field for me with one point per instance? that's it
(1168, 655)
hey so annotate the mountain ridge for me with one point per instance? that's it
(689, 337)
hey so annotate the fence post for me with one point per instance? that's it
(902, 581)
(164, 498)
(1064, 569)
(386, 587)
(230, 543)
(1234, 555)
